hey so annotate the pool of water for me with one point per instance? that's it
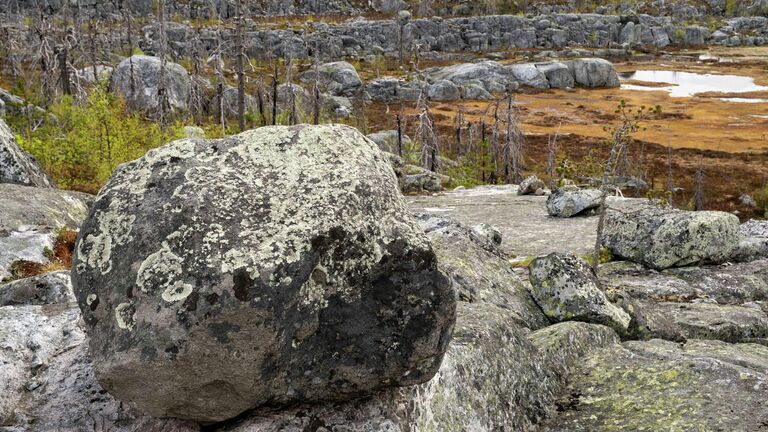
(686, 84)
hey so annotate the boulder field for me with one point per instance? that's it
(277, 281)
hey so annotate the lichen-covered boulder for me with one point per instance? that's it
(753, 242)
(568, 203)
(444, 90)
(661, 238)
(138, 80)
(274, 267)
(16, 165)
(566, 289)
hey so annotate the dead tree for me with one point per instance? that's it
(293, 117)
(260, 100)
(458, 125)
(552, 156)
(512, 150)
(698, 190)
(399, 120)
(360, 104)
(163, 103)
(670, 178)
(316, 88)
(239, 64)
(275, 78)
(427, 137)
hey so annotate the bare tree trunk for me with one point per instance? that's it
(260, 100)
(63, 63)
(274, 93)
(399, 135)
(239, 66)
(670, 179)
(698, 195)
(552, 157)
(162, 86)
(316, 90)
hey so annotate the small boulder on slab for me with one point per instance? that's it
(568, 203)
(274, 267)
(565, 288)
(661, 238)
(139, 78)
(530, 186)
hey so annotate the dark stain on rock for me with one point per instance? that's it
(242, 284)
(171, 352)
(190, 304)
(212, 299)
(148, 353)
(220, 331)
(94, 304)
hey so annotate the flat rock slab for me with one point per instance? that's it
(523, 221)
(659, 385)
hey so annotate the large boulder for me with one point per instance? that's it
(292, 236)
(530, 186)
(565, 203)
(138, 79)
(16, 165)
(593, 72)
(557, 73)
(30, 219)
(566, 289)
(443, 90)
(661, 238)
(337, 78)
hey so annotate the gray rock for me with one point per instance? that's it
(568, 203)
(479, 272)
(30, 218)
(566, 289)
(137, 79)
(47, 381)
(530, 75)
(699, 385)
(530, 185)
(101, 74)
(194, 132)
(18, 166)
(488, 232)
(475, 92)
(424, 181)
(387, 140)
(558, 75)
(337, 78)
(593, 72)
(443, 90)
(49, 288)
(229, 103)
(337, 106)
(181, 259)
(662, 238)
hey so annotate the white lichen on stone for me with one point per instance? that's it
(124, 315)
(177, 292)
(114, 229)
(90, 299)
(160, 271)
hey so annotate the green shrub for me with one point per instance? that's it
(761, 198)
(87, 140)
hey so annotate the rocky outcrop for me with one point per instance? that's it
(662, 238)
(564, 203)
(138, 79)
(30, 218)
(337, 78)
(566, 289)
(48, 288)
(190, 254)
(16, 165)
(388, 141)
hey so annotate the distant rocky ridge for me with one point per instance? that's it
(361, 38)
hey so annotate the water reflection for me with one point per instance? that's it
(686, 84)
